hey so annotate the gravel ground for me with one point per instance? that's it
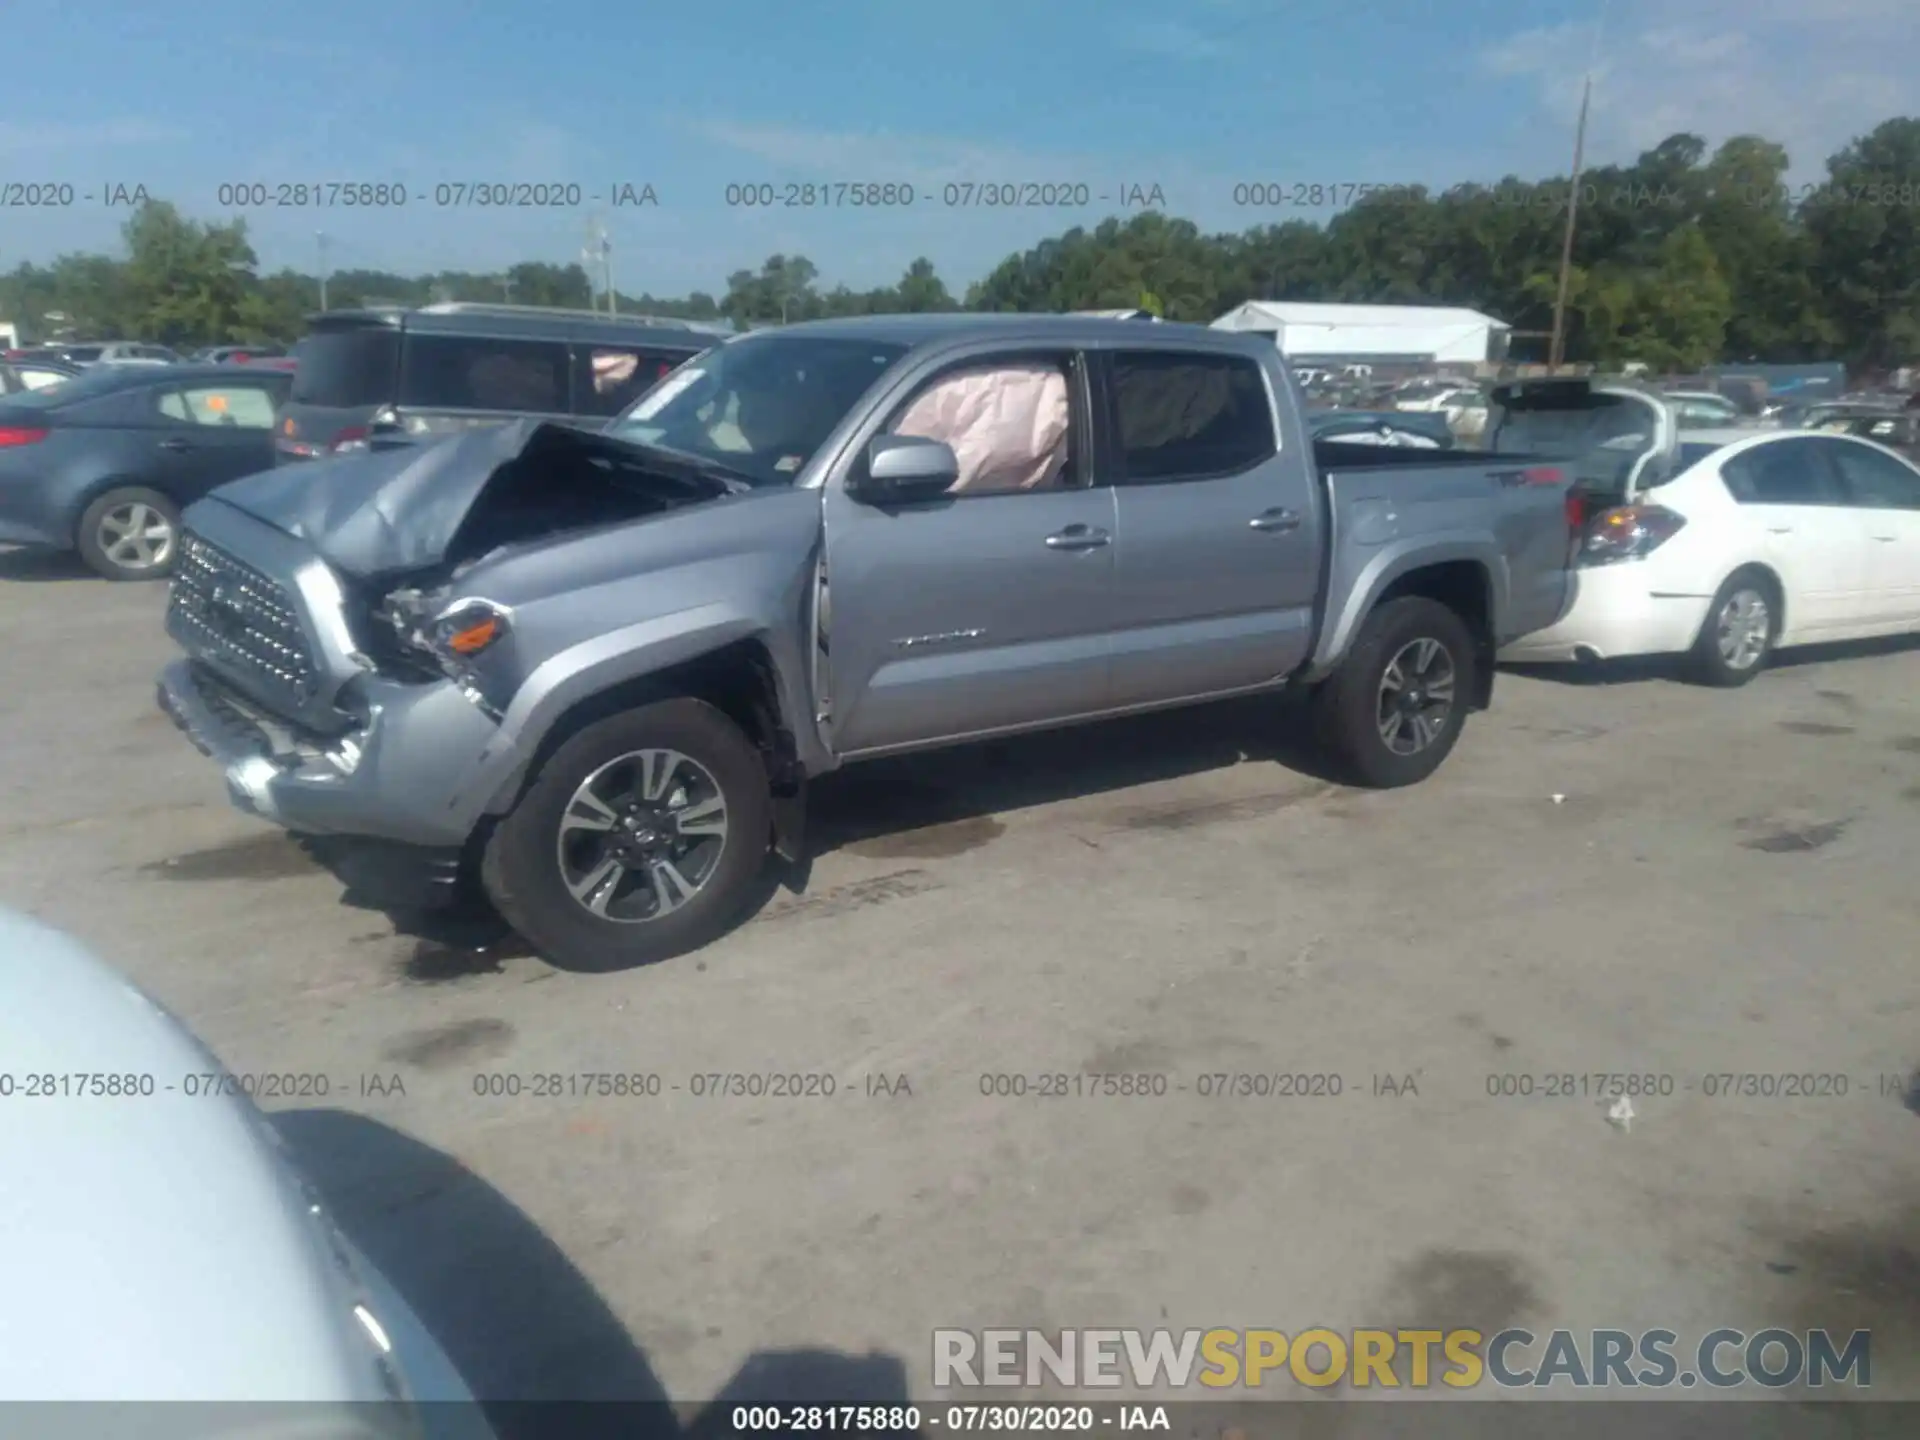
(1628, 876)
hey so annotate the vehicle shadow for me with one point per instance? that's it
(918, 803)
(885, 798)
(29, 563)
(534, 1341)
(1638, 669)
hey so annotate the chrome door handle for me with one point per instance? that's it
(1078, 537)
(1276, 519)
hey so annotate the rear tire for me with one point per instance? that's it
(130, 533)
(1736, 639)
(1393, 712)
(593, 866)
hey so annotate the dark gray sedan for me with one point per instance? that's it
(104, 462)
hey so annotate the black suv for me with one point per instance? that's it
(368, 379)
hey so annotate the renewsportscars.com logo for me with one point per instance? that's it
(1394, 1359)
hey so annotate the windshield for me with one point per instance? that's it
(759, 406)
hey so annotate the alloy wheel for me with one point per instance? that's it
(642, 836)
(1743, 629)
(135, 536)
(1416, 696)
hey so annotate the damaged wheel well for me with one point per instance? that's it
(737, 680)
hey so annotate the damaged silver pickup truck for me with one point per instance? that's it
(598, 669)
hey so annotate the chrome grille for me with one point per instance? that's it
(240, 620)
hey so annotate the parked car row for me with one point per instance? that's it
(101, 461)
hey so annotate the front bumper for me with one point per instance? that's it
(1617, 611)
(412, 774)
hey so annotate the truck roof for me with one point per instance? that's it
(1095, 330)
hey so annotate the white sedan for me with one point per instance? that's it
(1758, 542)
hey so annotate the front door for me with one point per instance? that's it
(1885, 490)
(986, 609)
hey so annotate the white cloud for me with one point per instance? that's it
(18, 139)
(1734, 67)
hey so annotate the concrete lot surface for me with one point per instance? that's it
(1633, 877)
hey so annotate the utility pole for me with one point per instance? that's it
(598, 254)
(1556, 351)
(506, 288)
(320, 237)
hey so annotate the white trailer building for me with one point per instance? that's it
(1374, 334)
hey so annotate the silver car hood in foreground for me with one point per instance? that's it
(156, 1245)
(388, 512)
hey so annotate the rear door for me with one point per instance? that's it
(1814, 539)
(206, 433)
(1885, 491)
(986, 609)
(1218, 565)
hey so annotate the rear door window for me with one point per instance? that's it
(458, 372)
(347, 369)
(1789, 472)
(609, 378)
(242, 407)
(1188, 416)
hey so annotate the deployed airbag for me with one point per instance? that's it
(1008, 426)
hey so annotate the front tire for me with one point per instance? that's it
(1737, 639)
(130, 533)
(638, 840)
(1394, 710)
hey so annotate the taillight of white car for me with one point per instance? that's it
(1628, 532)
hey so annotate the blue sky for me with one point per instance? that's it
(1193, 98)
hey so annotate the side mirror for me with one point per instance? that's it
(905, 468)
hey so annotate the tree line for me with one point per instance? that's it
(1684, 257)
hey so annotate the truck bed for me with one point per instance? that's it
(1505, 513)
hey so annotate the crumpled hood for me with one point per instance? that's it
(389, 512)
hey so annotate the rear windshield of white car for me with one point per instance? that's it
(1569, 430)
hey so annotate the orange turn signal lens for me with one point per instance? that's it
(474, 638)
